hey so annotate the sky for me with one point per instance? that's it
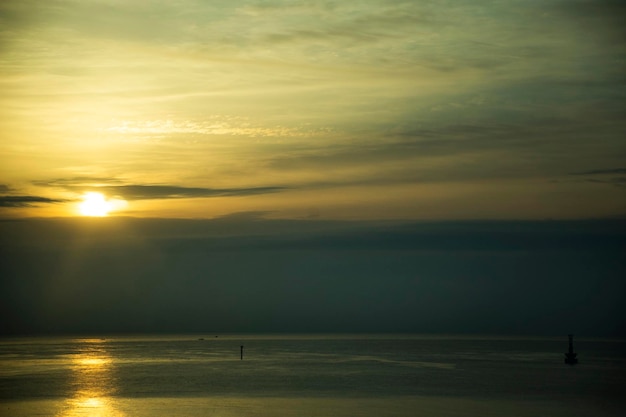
(312, 165)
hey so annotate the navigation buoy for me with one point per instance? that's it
(570, 356)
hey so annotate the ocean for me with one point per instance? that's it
(310, 376)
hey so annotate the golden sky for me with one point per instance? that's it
(325, 109)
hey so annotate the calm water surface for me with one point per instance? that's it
(312, 375)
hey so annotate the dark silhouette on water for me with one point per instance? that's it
(570, 357)
(241, 352)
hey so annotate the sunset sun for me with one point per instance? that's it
(95, 205)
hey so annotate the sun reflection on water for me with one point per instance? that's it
(93, 383)
(94, 362)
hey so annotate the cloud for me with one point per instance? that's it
(604, 176)
(213, 126)
(145, 192)
(612, 10)
(84, 181)
(27, 200)
(619, 181)
(448, 152)
(151, 191)
(601, 172)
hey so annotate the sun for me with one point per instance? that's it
(95, 205)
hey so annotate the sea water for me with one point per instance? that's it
(310, 375)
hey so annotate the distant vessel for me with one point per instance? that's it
(570, 357)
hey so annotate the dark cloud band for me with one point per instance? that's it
(26, 200)
(602, 172)
(147, 192)
(151, 191)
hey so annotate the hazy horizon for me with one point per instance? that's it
(252, 274)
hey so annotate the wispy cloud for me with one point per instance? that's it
(456, 152)
(145, 192)
(79, 181)
(602, 172)
(13, 198)
(611, 176)
(618, 181)
(27, 200)
(213, 126)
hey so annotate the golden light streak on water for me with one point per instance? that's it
(93, 383)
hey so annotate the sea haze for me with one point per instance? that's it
(254, 274)
(310, 375)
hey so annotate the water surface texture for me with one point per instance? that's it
(309, 375)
